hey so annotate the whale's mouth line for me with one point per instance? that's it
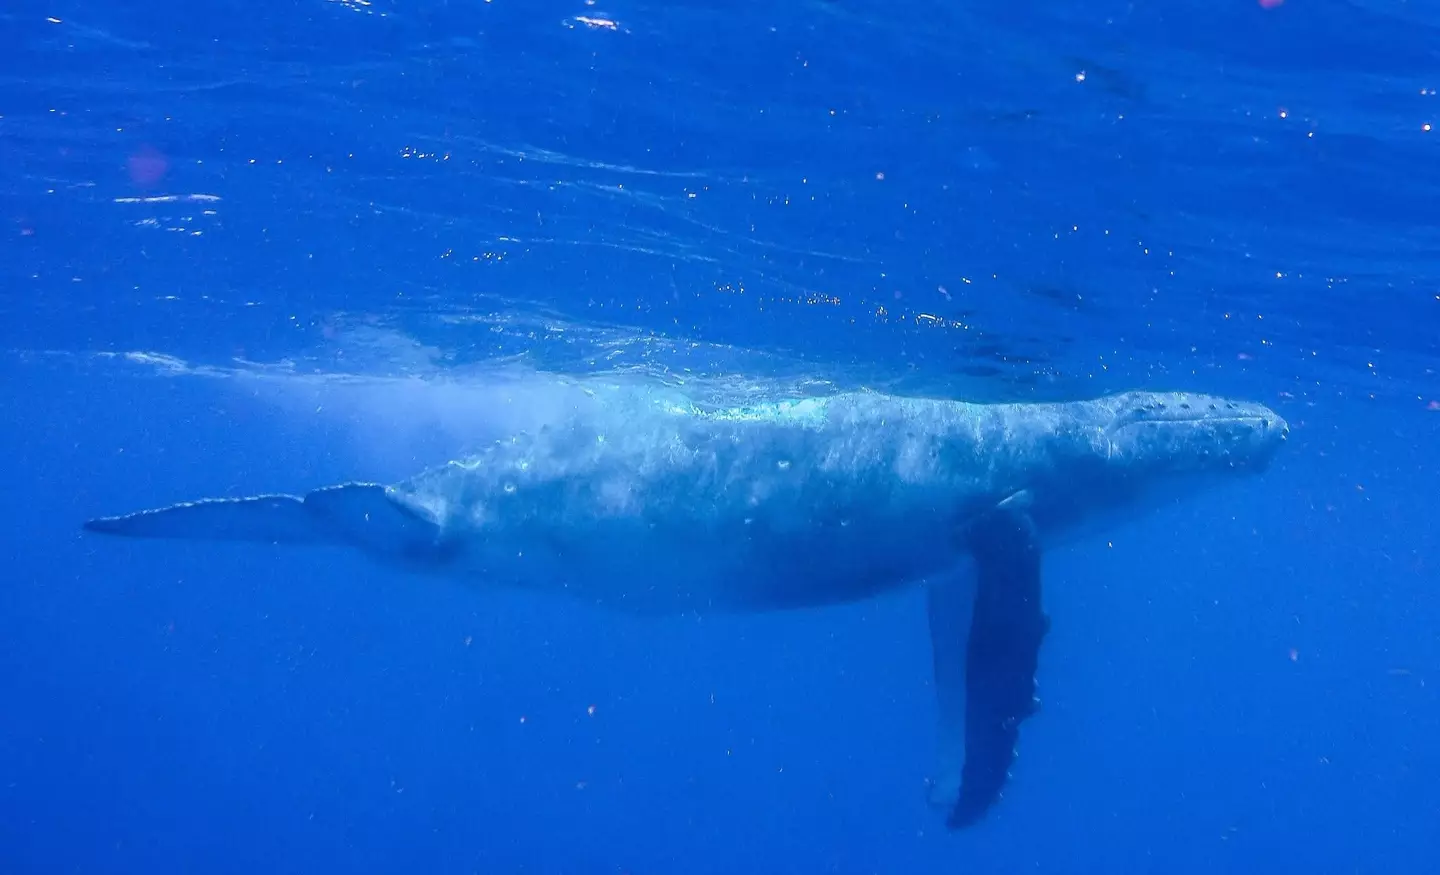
(1204, 419)
(1258, 421)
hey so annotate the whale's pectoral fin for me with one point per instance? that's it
(996, 664)
(353, 513)
(950, 602)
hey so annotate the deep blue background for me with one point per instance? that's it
(1024, 200)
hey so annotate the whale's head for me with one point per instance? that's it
(1142, 449)
(1156, 435)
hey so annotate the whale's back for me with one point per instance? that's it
(797, 503)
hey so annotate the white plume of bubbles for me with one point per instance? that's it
(398, 402)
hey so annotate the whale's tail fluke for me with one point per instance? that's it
(354, 514)
(274, 519)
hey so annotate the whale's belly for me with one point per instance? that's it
(744, 564)
(759, 537)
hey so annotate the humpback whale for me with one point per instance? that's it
(643, 499)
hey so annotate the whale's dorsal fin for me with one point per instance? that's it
(354, 514)
(986, 652)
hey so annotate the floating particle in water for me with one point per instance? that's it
(147, 166)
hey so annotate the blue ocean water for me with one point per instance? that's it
(266, 247)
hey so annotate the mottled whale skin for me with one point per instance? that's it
(640, 499)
